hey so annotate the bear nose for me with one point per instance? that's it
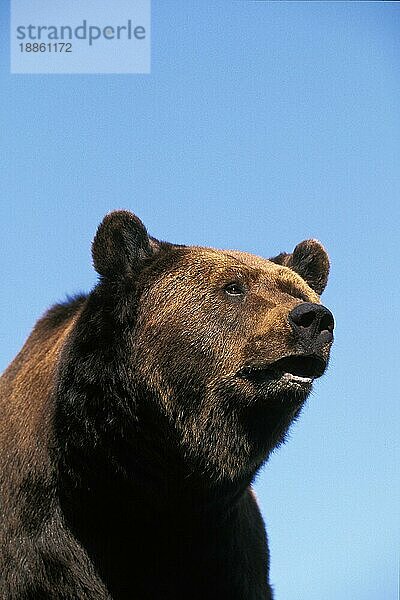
(312, 322)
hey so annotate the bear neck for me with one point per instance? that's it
(141, 463)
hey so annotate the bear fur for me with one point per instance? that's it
(134, 419)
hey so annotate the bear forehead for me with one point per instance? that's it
(211, 263)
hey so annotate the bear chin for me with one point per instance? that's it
(287, 389)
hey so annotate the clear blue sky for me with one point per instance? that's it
(260, 125)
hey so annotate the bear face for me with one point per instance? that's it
(230, 369)
(209, 339)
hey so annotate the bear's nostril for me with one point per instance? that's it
(306, 319)
(326, 323)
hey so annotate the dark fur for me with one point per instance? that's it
(135, 481)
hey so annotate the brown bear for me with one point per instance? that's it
(134, 419)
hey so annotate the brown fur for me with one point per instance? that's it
(128, 416)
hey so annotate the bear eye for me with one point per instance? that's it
(234, 289)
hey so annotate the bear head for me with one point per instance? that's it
(192, 359)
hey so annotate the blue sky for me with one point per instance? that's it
(260, 125)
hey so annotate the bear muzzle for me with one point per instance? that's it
(302, 340)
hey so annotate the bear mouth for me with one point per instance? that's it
(295, 368)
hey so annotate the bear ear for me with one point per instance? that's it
(120, 244)
(310, 260)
